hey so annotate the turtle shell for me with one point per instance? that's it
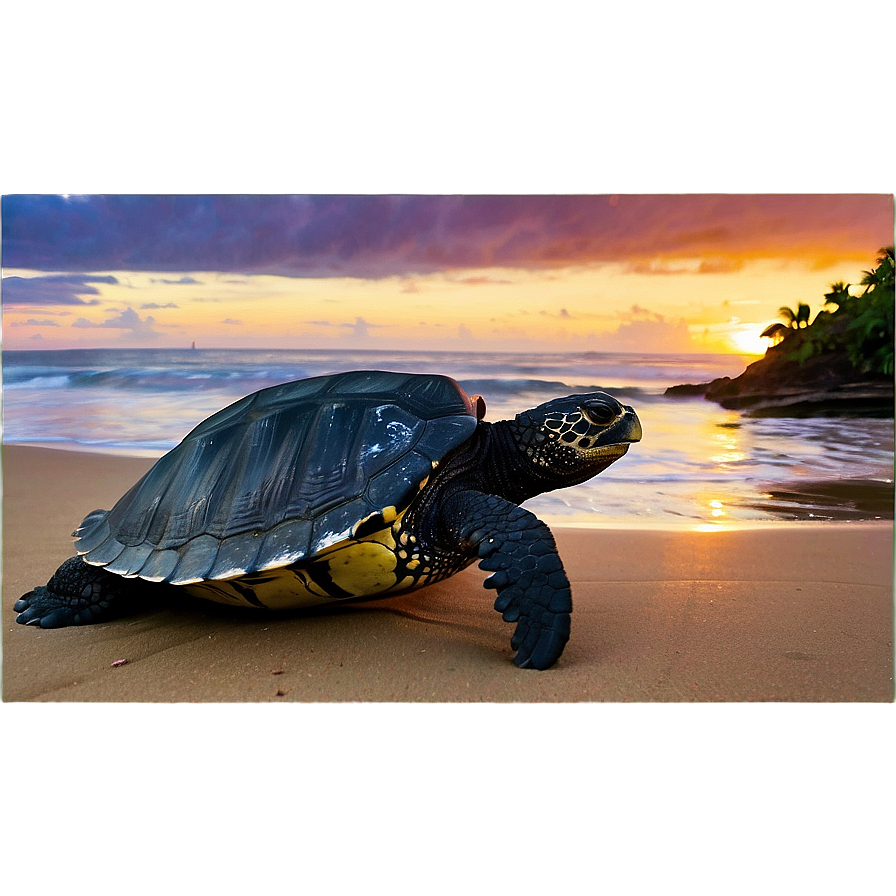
(280, 475)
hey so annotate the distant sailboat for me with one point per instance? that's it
(193, 346)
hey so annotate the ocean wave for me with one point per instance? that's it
(36, 381)
(244, 381)
(505, 387)
(172, 380)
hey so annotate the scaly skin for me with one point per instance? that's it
(519, 550)
(79, 594)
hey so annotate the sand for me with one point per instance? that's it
(721, 722)
(778, 612)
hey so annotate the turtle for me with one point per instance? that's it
(347, 486)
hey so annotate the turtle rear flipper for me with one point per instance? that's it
(532, 586)
(77, 594)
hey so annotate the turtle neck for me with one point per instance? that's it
(492, 462)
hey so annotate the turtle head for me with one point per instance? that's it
(572, 439)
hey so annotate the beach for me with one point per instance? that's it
(769, 612)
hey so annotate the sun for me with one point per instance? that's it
(746, 339)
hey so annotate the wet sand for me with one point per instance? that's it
(800, 612)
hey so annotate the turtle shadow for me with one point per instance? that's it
(466, 618)
(416, 609)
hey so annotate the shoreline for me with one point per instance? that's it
(876, 490)
(779, 612)
(92, 450)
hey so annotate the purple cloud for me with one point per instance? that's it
(32, 322)
(57, 289)
(378, 236)
(181, 281)
(125, 320)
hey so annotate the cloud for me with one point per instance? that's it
(56, 289)
(378, 236)
(153, 306)
(563, 313)
(181, 281)
(647, 331)
(483, 281)
(720, 266)
(638, 313)
(659, 267)
(230, 320)
(125, 320)
(31, 322)
(360, 328)
(664, 268)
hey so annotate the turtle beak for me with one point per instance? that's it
(631, 426)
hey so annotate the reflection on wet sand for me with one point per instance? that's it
(839, 499)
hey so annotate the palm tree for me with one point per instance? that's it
(789, 315)
(839, 294)
(775, 333)
(882, 275)
(796, 319)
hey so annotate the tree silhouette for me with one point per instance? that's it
(775, 332)
(839, 294)
(796, 319)
(882, 276)
(789, 315)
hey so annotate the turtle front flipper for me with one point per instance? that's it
(519, 550)
(77, 594)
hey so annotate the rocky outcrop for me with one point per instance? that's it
(776, 386)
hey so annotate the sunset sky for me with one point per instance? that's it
(674, 273)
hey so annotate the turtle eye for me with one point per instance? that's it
(599, 411)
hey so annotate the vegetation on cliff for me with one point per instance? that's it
(858, 324)
(839, 363)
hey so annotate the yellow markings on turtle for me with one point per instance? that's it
(367, 566)
(361, 568)
(276, 589)
(379, 519)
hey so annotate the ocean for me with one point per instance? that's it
(698, 465)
